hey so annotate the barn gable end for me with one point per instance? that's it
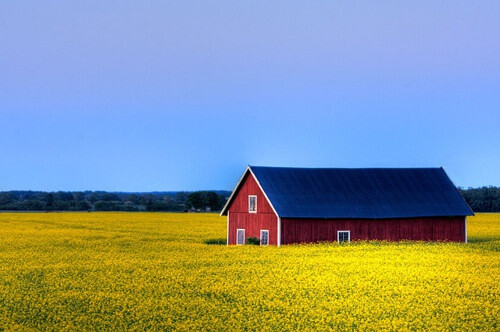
(237, 210)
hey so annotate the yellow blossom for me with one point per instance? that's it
(137, 271)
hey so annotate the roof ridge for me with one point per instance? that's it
(346, 168)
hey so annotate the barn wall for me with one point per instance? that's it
(419, 229)
(265, 218)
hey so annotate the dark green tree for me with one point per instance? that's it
(49, 201)
(195, 201)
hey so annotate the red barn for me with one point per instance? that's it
(282, 205)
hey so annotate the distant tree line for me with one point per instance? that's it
(484, 199)
(112, 201)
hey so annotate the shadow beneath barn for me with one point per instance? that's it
(216, 241)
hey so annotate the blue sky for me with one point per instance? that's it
(182, 95)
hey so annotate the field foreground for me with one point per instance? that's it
(153, 271)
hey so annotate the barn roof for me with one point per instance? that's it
(370, 193)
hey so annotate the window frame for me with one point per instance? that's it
(237, 231)
(348, 236)
(260, 240)
(249, 199)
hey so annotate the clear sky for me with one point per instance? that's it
(182, 95)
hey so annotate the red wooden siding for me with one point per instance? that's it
(265, 218)
(419, 229)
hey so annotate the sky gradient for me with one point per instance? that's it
(182, 95)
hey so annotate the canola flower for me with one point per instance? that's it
(153, 271)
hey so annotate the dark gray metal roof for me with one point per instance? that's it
(360, 193)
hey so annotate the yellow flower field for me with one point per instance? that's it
(136, 271)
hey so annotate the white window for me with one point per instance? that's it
(252, 204)
(240, 236)
(264, 237)
(343, 236)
